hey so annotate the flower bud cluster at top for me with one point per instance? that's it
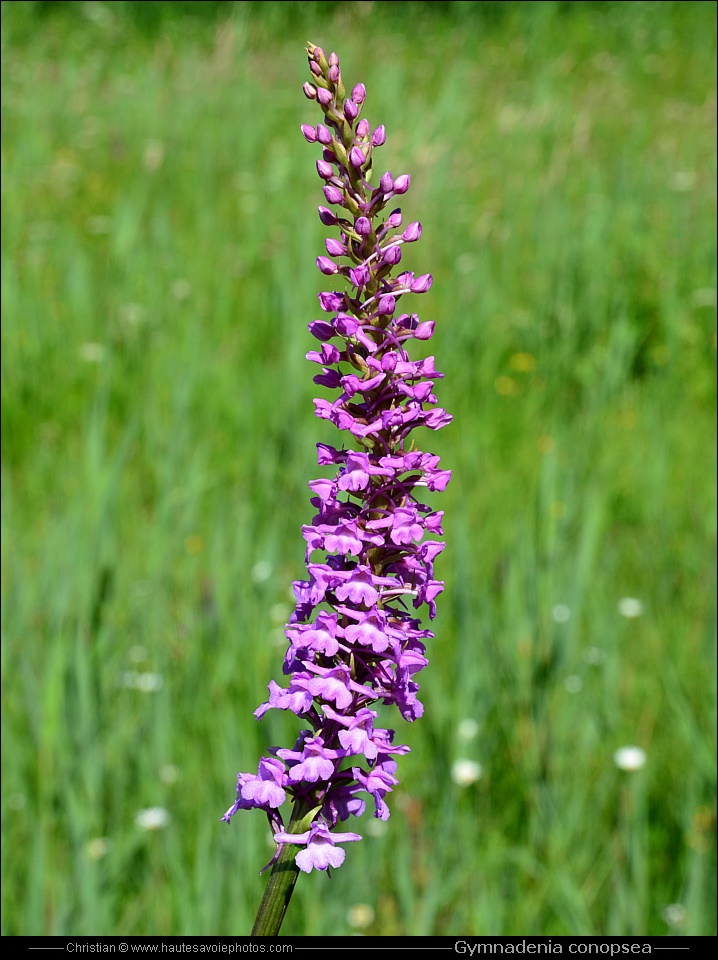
(353, 641)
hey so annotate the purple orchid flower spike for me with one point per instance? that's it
(353, 641)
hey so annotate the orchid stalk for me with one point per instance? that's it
(354, 639)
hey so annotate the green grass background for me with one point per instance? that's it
(159, 233)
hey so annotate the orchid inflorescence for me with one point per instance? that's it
(353, 640)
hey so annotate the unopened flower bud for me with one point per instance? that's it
(412, 232)
(334, 74)
(360, 275)
(401, 184)
(378, 138)
(320, 57)
(391, 255)
(326, 265)
(386, 305)
(334, 247)
(425, 330)
(363, 227)
(332, 194)
(324, 134)
(394, 219)
(310, 91)
(359, 93)
(310, 134)
(386, 183)
(315, 68)
(325, 97)
(351, 111)
(389, 362)
(324, 169)
(321, 329)
(330, 302)
(327, 217)
(363, 129)
(421, 284)
(356, 157)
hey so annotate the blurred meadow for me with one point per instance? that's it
(159, 234)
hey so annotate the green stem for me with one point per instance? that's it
(280, 886)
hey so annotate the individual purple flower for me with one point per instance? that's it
(353, 641)
(266, 788)
(321, 851)
(310, 764)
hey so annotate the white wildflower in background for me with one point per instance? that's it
(145, 682)
(261, 571)
(152, 818)
(98, 847)
(630, 758)
(674, 914)
(181, 289)
(91, 352)
(466, 772)
(630, 608)
(154, 154)
(149, 682)
(359, 916)
(683, 180)
(561, 613)
(468, 729)
(573, 683)
(376, 828)
(132, 314)
(594, 656)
